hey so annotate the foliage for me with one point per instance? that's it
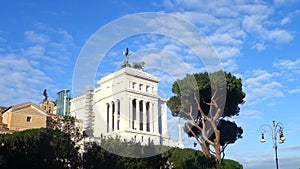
(189, 158)
(38, 148)
(205, 100)
(97, 157)
(66, 124)
(230, 164)
(129, 155)
(47, 148)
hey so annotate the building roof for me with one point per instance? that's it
(48, 101)
(2, 109)
(131, 72)
(18, 107)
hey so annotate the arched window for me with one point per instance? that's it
(141, 115)
(118, 114)
(107, 117)
(148, 116)
(113, 116)
(133, 112)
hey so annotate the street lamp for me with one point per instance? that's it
(277, 128)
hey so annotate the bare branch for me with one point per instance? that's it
(206, 102)
(203, 135)
(196, 137)
(191, 111)
(218, 114)
(214, 95)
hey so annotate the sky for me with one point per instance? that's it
(44, 44)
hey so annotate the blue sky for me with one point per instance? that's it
(40, 42)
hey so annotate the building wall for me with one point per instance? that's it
(1, 111)
(77, 107)
(47, 106)
(82, 108)
(25, 118)
(23, 121)
(131, 87)
(6, 118)
(115, 107)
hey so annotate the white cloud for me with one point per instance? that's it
(285, 21)
(260, 46)
(271, 104)
(279, 36)
(289, 68)
(166, 62)
(261, 85)
(279, 3)
(293, 91)
(229, 25)
(21, 81)
(250, 114)
(34, 37)
(206, 21)
(253, 23)
(25, 72)
(287, 64)
(230, 65)
(225, 38)
(226, 52)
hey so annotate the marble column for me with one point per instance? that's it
(144, 120)
(137, 120)
(116, 116)
(110, 117)
(130, 114)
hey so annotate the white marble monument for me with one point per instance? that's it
(126, 104)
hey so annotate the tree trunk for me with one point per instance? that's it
(205, 150)
(218, 153)
(217, 146)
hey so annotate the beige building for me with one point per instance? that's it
(3, 127)
(47, 106)
(24, 116)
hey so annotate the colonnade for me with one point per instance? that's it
(113, 116)
(141, 115)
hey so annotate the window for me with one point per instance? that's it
(28, 119)
(133, 85)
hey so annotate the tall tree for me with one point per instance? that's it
(38, 148)
(205, 101)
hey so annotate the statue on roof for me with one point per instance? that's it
(136, 65)
(126, 62)
(45, 95)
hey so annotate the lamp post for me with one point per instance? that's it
(277, 128)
